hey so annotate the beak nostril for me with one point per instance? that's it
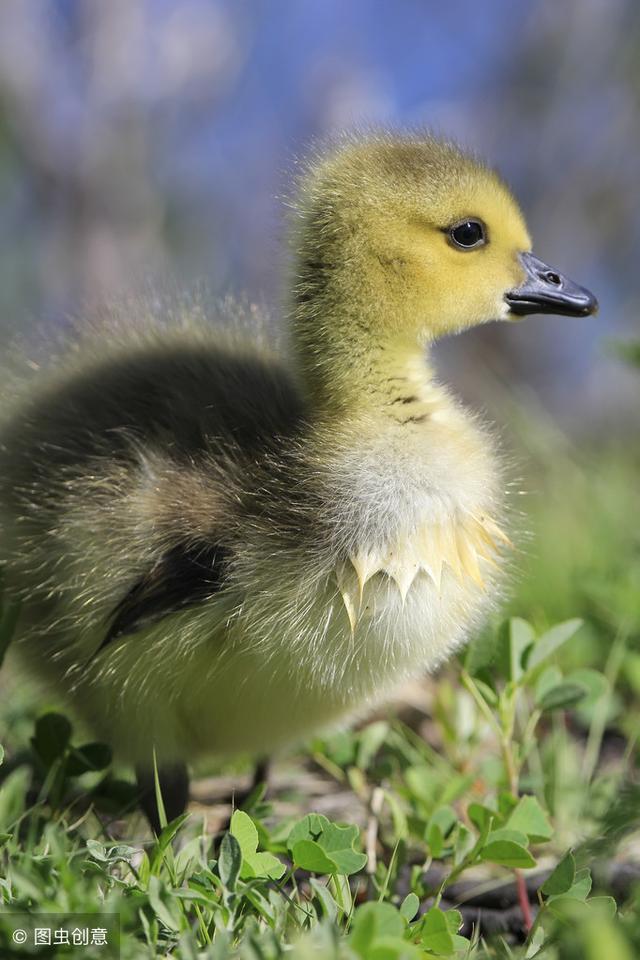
(545, 290)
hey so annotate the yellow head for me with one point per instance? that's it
(402, 240)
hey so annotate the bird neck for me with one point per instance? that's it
(356, 323)
(347, 371)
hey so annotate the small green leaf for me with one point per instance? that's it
(562, 878)
(594, 681)
(435, 933)
(122, 851)
(370, 741)
(337, 843)
(254, 864)
(521, 637)
(604, 906)
(566, 908)
(187, 860)
(455, 786)
(515, 638)
(569, 908)
(163, 904)
(504, 833)
(98, 851)
(481, 652)
(230, 861)
(144, 869)
(507, 853)
(530, 818)
(165, 837)
(329, 907)
(461, 943)
(481, 816)
(435, 840)
(373, 921)
(550, 677)
(445, 818)
(423, 783)
(551, 641)
(464, 843)
(309, 828)
(244, 830)
(263, 864)
(157, 789)
(507, 802)
(563, 695)
(409, 907)
(582, 884)
(454, 920)
(398, 815)
(309, 855)
(535, 946)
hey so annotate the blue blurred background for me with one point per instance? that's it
(154, 141)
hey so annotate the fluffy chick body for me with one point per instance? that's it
(289, 644)
(219, 550)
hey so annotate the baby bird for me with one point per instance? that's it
(219, 549)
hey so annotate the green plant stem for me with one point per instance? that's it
(451, 877)
(448, 880)
(504, 729)
(482, 704)
(339, 887)
(510, 765)
(536, 923)
(385, 885)
(329, 767)
(513, 776)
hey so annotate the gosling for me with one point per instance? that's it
(219, 549)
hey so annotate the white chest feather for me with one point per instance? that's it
(418, 509)
(463, 543)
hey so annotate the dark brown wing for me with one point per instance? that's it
(186, 575)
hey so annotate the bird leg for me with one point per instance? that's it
(174, 787)
(260, 775)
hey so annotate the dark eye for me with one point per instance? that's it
(468, 234)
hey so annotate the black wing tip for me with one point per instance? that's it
(187, 575)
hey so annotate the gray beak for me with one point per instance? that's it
(547, 291)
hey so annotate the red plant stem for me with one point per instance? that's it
(523, 900)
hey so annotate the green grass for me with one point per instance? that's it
(516, 765)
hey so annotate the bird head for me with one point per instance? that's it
(416, 239)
